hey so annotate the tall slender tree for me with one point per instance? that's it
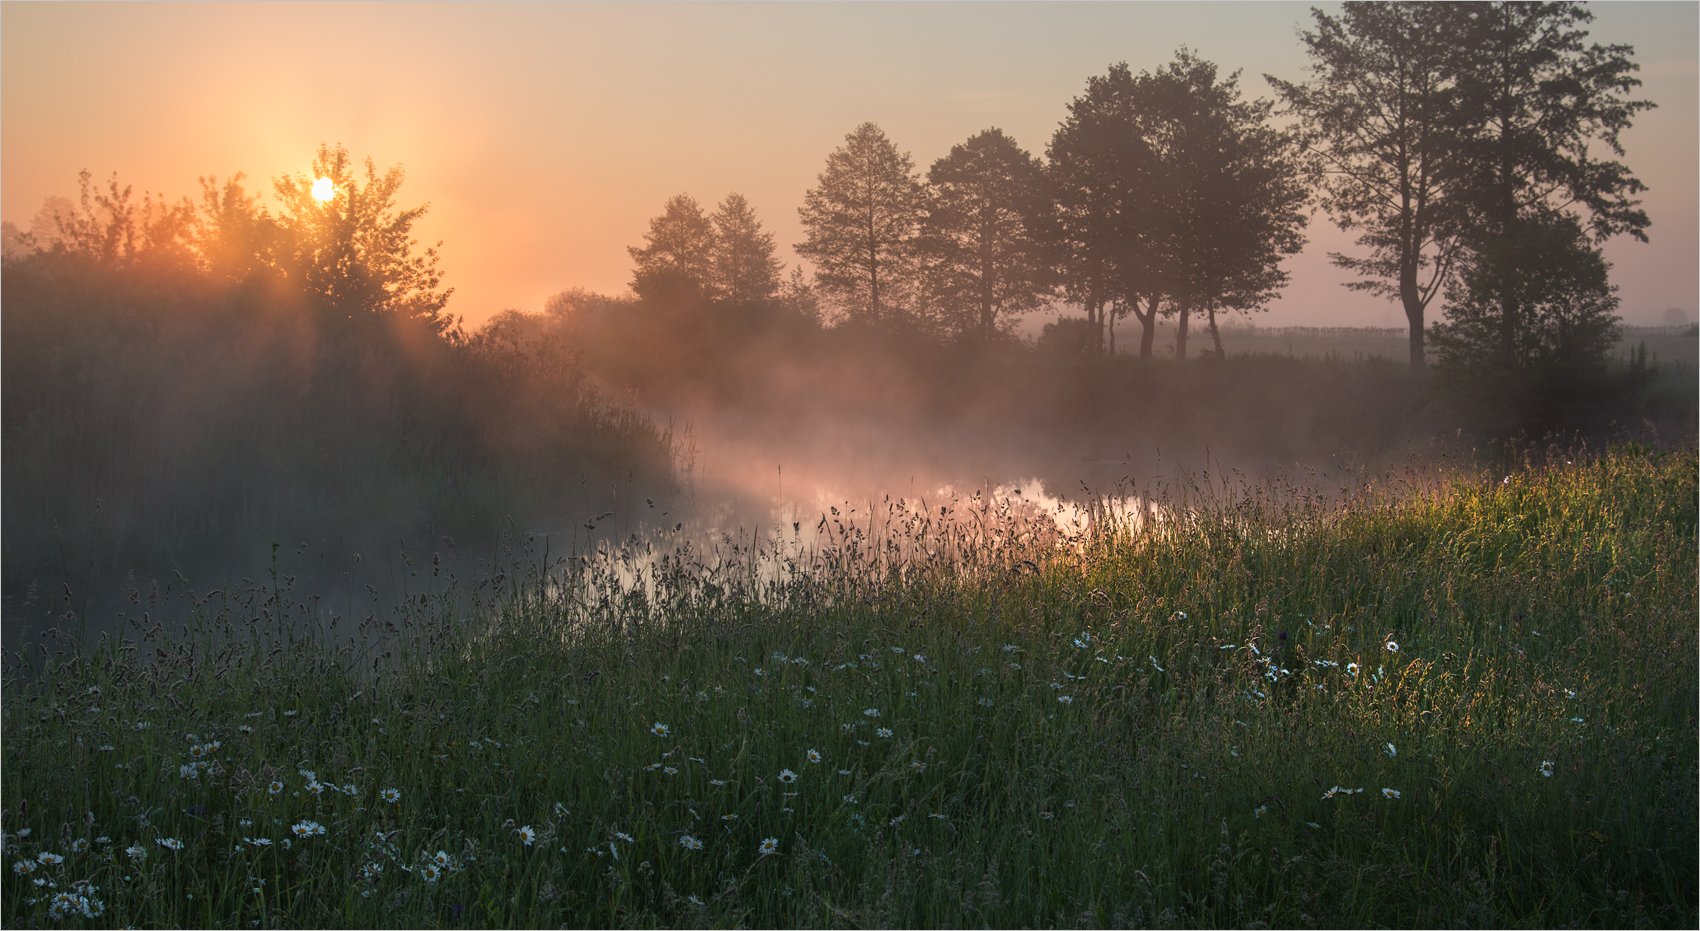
(1536, 105)
(1378, 114)
(986, 230)
(860, 221)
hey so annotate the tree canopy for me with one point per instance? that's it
(860, 220)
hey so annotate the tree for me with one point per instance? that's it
(355, 253)
(745, 269)
(1534, 105)
(1225, 196)
(677, 258)
(234, 236)
(110, 226)
(1101, 167)
(1378, 114)
(1562, 288)
(860, 220)
(1567, 323)
(985, 233)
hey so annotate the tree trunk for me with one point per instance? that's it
(1112, 326)
(1147, 327)
(1215, 334)
(1413, 302)
(1180, 331)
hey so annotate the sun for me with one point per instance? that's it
(323, 190)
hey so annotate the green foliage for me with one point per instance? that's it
(1465, 702)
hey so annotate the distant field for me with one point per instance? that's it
(1454, 702)
(1665, 345)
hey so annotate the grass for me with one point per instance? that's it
(1163, 724)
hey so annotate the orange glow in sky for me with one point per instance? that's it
(544, 136)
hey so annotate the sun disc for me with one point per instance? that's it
(323, 190)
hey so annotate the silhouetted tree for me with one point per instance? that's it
(111, 227)
(1535, 103)
(677, 257)
(1225, 195)
(1379, 115)
(985, 233)
(860, 221)
(235, 237)
(745, 269)
(355, 253)
(1101, 169)
(1567, 323)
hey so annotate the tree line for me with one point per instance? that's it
(1472, 147)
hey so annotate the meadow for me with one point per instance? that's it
(1427, 699)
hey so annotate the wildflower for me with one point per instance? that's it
(1392, 751)
(843, 772)
(717, 783)
(813, 756)
(870, 712)
(136, 852)
(307, 828)
(769, 845)
(1010, 648)
(884, 732)
(169, 843)
(526, 835)
(1260, 811)
(276, 788)
(622, 835)
(1352, 669)
(189, 771)
(1546, 768)
(690, 842)
(349, 789)
(851, 800)
(391, 795)
(442, 859)
(80, 845)
(23, 867)
(1569, 693)
(1065, 699)
(430, 872)
(258, 841)
(50, 859)
(1154, 665)
(786, 776)
(670, 770)
(1392, 646)
(1390, 793)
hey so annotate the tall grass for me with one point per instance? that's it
(1468, 702)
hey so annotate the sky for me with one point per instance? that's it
(544, 136)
